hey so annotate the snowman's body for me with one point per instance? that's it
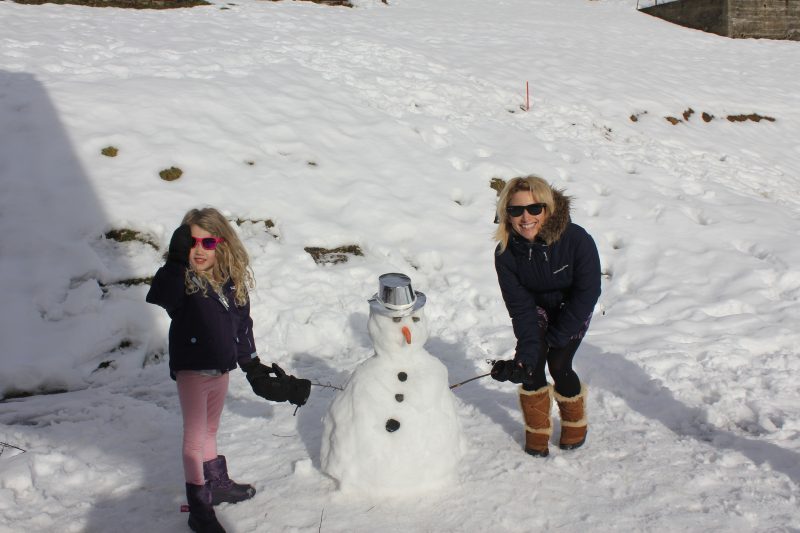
(394, 427)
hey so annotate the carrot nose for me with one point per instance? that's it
(407, 334)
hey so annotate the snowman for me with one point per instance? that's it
(393, 429)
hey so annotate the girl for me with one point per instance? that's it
(549, 274)
(203, 287)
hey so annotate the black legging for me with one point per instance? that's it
(559, 362)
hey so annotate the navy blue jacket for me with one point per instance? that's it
(559, 271)
(207, 332)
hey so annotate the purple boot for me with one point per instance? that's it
(201, 514)
(223, 488)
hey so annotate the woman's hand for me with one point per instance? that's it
(513, 371)
(501, 370)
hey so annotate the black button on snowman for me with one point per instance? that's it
(394, 426)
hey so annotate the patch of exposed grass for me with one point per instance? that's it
(110, 151)
(129, 4)
(11, 394)
(171, 174)
(708, 117)
(345, 3)
(635, 116)
(104, 364)
(112, 363)
(124, 343)
(269, 225)
(333, 256)
(128, 282)
(755, 117)
(128, 235)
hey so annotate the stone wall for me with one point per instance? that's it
(705, 15)
(765, 19)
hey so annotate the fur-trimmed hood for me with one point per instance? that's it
(557, 222)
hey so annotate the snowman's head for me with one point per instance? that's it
(398, 334)
(396, 318)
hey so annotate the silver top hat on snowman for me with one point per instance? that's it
(395, 296)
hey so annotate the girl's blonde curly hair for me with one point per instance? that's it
(232, 261)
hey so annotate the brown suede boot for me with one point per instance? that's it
(536, 412)
(573, 419)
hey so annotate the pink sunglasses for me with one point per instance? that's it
(208, 243)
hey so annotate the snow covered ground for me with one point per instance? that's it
(382, 127)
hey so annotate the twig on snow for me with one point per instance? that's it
(4, 445)
(327, 385)
(470, 379)
(488, 362)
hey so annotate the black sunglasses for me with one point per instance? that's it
(516, 210)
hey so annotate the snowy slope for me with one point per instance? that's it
(382, 127)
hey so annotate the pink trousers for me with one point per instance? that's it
(202, 398)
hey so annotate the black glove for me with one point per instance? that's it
(501, 370)
(180, 244)
(523, 373)
(513, 371)
(278, 388)
(297, 389)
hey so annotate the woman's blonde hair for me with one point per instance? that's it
(232, 261)
(539, 189)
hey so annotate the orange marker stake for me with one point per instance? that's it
(527, 98)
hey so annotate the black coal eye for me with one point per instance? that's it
(397, 318)
(415, 318)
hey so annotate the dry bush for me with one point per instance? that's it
(497, 184)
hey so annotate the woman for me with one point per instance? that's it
(549, 274)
